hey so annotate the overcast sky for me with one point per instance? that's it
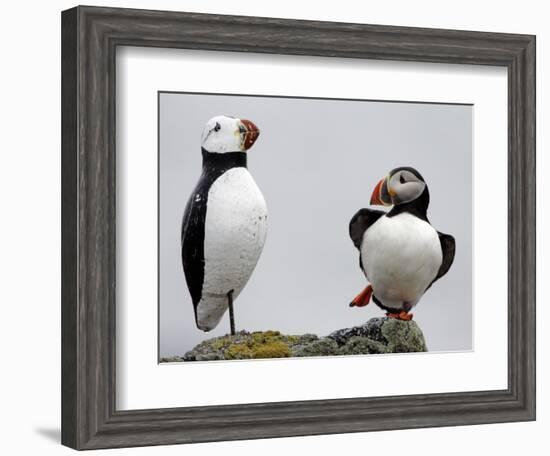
(317, 162)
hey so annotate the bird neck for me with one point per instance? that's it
(223, 161)
(417, 207)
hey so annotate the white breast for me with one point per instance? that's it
(401, 256)
(235, 231)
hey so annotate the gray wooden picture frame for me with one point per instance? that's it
(90, 36)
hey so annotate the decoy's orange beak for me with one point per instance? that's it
(250, 133)
(381, 196)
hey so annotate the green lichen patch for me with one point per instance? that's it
(320, 347)
(357, 345)
(403, 336)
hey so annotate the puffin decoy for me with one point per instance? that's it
(400, 252)
(225, 222)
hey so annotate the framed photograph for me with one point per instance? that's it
(279, 228)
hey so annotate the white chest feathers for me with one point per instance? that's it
(401, 256)
(235, 231)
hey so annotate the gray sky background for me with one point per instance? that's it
(317, 162)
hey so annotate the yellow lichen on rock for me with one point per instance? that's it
(268, 344)
(274, 349)
(239, 351)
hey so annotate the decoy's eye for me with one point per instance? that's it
(217, 127)
(401, 179)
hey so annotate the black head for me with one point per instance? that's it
(401, 186)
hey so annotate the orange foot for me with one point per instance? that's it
(400, 316)
(363, 298)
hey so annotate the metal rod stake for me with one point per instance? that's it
(231, 314)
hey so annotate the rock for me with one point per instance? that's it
(249, 345)
(371, 329)
(319, 347)
(397, 336)
(358, 345)
(171, 359)
(403, 336)
(376, 336)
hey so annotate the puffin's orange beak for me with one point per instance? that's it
(380, 195)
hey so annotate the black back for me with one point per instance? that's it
(194, 217)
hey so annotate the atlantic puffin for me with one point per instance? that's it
(400, 252)
(224, 223)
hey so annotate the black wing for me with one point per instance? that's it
(448, 249)
(359, 223)
(192, 241)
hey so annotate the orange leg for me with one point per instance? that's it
(363, 298)
(400, 316)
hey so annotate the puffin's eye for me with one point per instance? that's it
(217, 127)
(401, 179)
